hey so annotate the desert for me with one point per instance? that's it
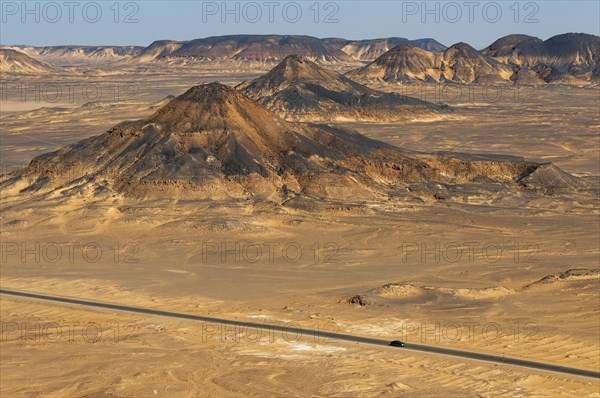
(386, 189)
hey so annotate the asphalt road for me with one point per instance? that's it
(315, 333)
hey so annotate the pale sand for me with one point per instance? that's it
(357, 252)
(63, 353)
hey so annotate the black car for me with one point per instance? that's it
(397, 343)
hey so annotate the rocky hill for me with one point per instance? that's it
(462, 63)
(214, 142)
(300, 90)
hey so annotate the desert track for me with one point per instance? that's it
(315, 333)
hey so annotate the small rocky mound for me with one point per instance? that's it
(549, 179)
(575, 274)
(359, 300)
(409, 293)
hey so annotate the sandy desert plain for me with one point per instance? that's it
(513, 274)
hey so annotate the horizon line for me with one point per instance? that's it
(273, 34)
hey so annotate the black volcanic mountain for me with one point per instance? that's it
(245, 48)
(300, 90)
(459, 63)
(560, 58)
(214, 142)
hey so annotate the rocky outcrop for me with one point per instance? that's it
(213, 142)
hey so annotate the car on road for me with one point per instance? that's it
(397, 343)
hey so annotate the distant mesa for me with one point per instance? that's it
(368, 50)
(80, 55)
(214, 142)
(74, 55)
(13, 61)
(271, 49)
(260, 49)
(300, 90)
